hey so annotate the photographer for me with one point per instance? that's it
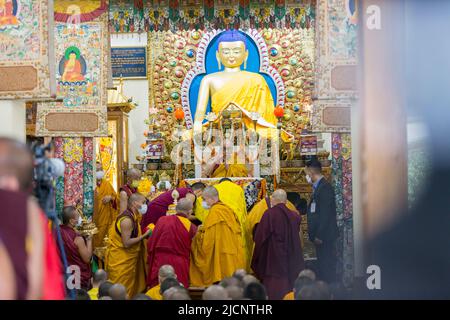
(24, 228)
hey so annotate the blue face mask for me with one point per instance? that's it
(205, 205)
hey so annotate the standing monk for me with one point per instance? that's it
(105, 207)
(125, 255)
(78, 250)
(133, 178)
(170, 244)
(278, 257)
(217, 249)
(254, 217)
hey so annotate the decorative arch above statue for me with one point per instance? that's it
(258, 62)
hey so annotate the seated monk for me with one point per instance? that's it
(170, 243)
(125, 254)
(278, 256)
(106, 205)
(158, 207)
(78, 249)
(165, 272)
(254, 217)
(217, 249)
(233, 196)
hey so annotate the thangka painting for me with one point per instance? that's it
(25, 49)
(81, 52)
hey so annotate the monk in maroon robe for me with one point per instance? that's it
(133, 177)
(78, 250)
(170, 244)
(278, 257)
(158, 207)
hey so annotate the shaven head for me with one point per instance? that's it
(308, 273)
(69, 213)
(210, 195)
(103, 290)
(178, 293)
(184, 206)
(16, 165)
(215, 292)
(166, 271)
(133, 174)
(240, 274)
(279, 196)
(230, 281)
(135, 201)
(118, 292)
(191, 197)
(99, 277)
(249, 279)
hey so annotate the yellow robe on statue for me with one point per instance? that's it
(104, 214)
(200, 212)
(126, 266)
(233, 196)
(217, 248)
(254, 217)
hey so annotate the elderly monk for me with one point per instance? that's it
(78, 249)
(170, 243)
(278, 257)
(166, 271)
(233, 196)
(254, 217)
(133, 178)
(105, 207)
(125, 255)
(159, 206)
(24, 229)
(217, 249)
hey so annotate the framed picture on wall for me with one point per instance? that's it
(129, 62)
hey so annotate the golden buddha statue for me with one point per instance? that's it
(247, 90)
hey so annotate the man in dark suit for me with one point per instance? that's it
(322, 226)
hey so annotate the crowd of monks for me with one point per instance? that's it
(210, 236)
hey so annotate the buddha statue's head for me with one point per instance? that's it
(232, 51)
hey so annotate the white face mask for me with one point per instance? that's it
(205, 205)
(309, 179)
(99, 175)
(143, 209)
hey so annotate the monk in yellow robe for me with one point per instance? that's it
(125, 254)
(200, 212)
(254, 217)
(217, 250)
(106, 203)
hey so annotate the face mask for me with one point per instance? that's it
(79, 222)
(143, 209)
(135, 183)
(309, 179)
(99, 175)
(205, 205)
